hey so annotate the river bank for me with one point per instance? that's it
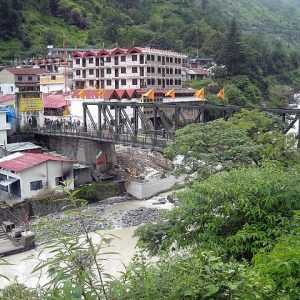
(115, 218)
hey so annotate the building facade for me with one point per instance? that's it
(135, 68)
(26, 175)
(52, 82)
(13, 80)
(4, 127)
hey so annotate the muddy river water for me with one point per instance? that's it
(124, 245)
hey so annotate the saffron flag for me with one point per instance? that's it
(101, 93)
(221, 94)
(171, 93)
(82, 94)
(150, 94)
(200, 94)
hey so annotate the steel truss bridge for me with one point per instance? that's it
(150, 125)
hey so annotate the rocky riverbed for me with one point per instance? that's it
(113, 213)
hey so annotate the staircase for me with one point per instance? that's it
(3, 235)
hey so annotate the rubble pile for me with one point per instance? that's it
(136, 163)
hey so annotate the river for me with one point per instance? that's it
(124, 245)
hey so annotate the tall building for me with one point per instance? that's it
(135, 68)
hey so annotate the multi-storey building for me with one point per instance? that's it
(135, 68)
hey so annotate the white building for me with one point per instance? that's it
(52, 82)
(135, 68)
(4, 127)
(25, 175)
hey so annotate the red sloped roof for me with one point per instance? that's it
(121, 93)
(118, 51)
(26, 71)
(131, 93)
(110, 94)
(27, 160)
(55, 101)
(103, 52)
(7, 98)
(135, 50)
(78, 54)
(90, 53)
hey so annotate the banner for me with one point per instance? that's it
(31, 104)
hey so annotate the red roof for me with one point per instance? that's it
(131, 93)
(121, 94)
(27, 160)
(26, 71)
(55, 101)
(7, 98)
(110, 94)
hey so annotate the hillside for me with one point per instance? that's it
(27, 26)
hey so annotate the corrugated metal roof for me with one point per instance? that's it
(55, 101)
(26, 71)
(20, 162)
(23, 146)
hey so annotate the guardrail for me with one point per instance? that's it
(150, 139)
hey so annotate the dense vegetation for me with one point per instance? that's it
(234, 235)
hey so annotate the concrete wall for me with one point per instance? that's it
(82, 151)
(153, 186)
(47, 172)
(7, 83)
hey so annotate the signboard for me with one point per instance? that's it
(31, 104)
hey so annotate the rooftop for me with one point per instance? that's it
(55, 101)
(19, 162)
(23, 146)
(26, 71)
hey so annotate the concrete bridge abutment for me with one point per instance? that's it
(97, 155)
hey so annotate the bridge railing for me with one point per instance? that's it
(156, 139)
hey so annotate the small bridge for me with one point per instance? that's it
(149, 125)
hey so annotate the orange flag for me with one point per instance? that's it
(200, 94)
(82, 94)
(171, 93)
(100, 93)
(150, 94)
(221, 94)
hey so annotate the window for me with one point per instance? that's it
(123, 70)
(36, 185)
(108, 82)
(108, 59)
(167, 59)
(159, 70)
(134, 81)
(30, 78)
(179, 71)
(148, 70)
(171, 81)
(159, 81)
(11, 89)
(171, 60)
(53, 77)
(134, 57)
(91, 71)
(91, 83)
(149, 81)
(167, 82)
(59, 181)
(20, 78)
(167, 71)
(91, 60)
(152, 57)
(179, 81)
(159, 58)
(97, 62)
(171, 71)
(97, 73)
(108, 71)
(176, 61)
(134, 70)
(123, 58)
(78, 72)
(179, 60)
(152, 70)
(148, 57)
(123, 81)
(78, 61)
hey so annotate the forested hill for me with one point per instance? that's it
(27, 26)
